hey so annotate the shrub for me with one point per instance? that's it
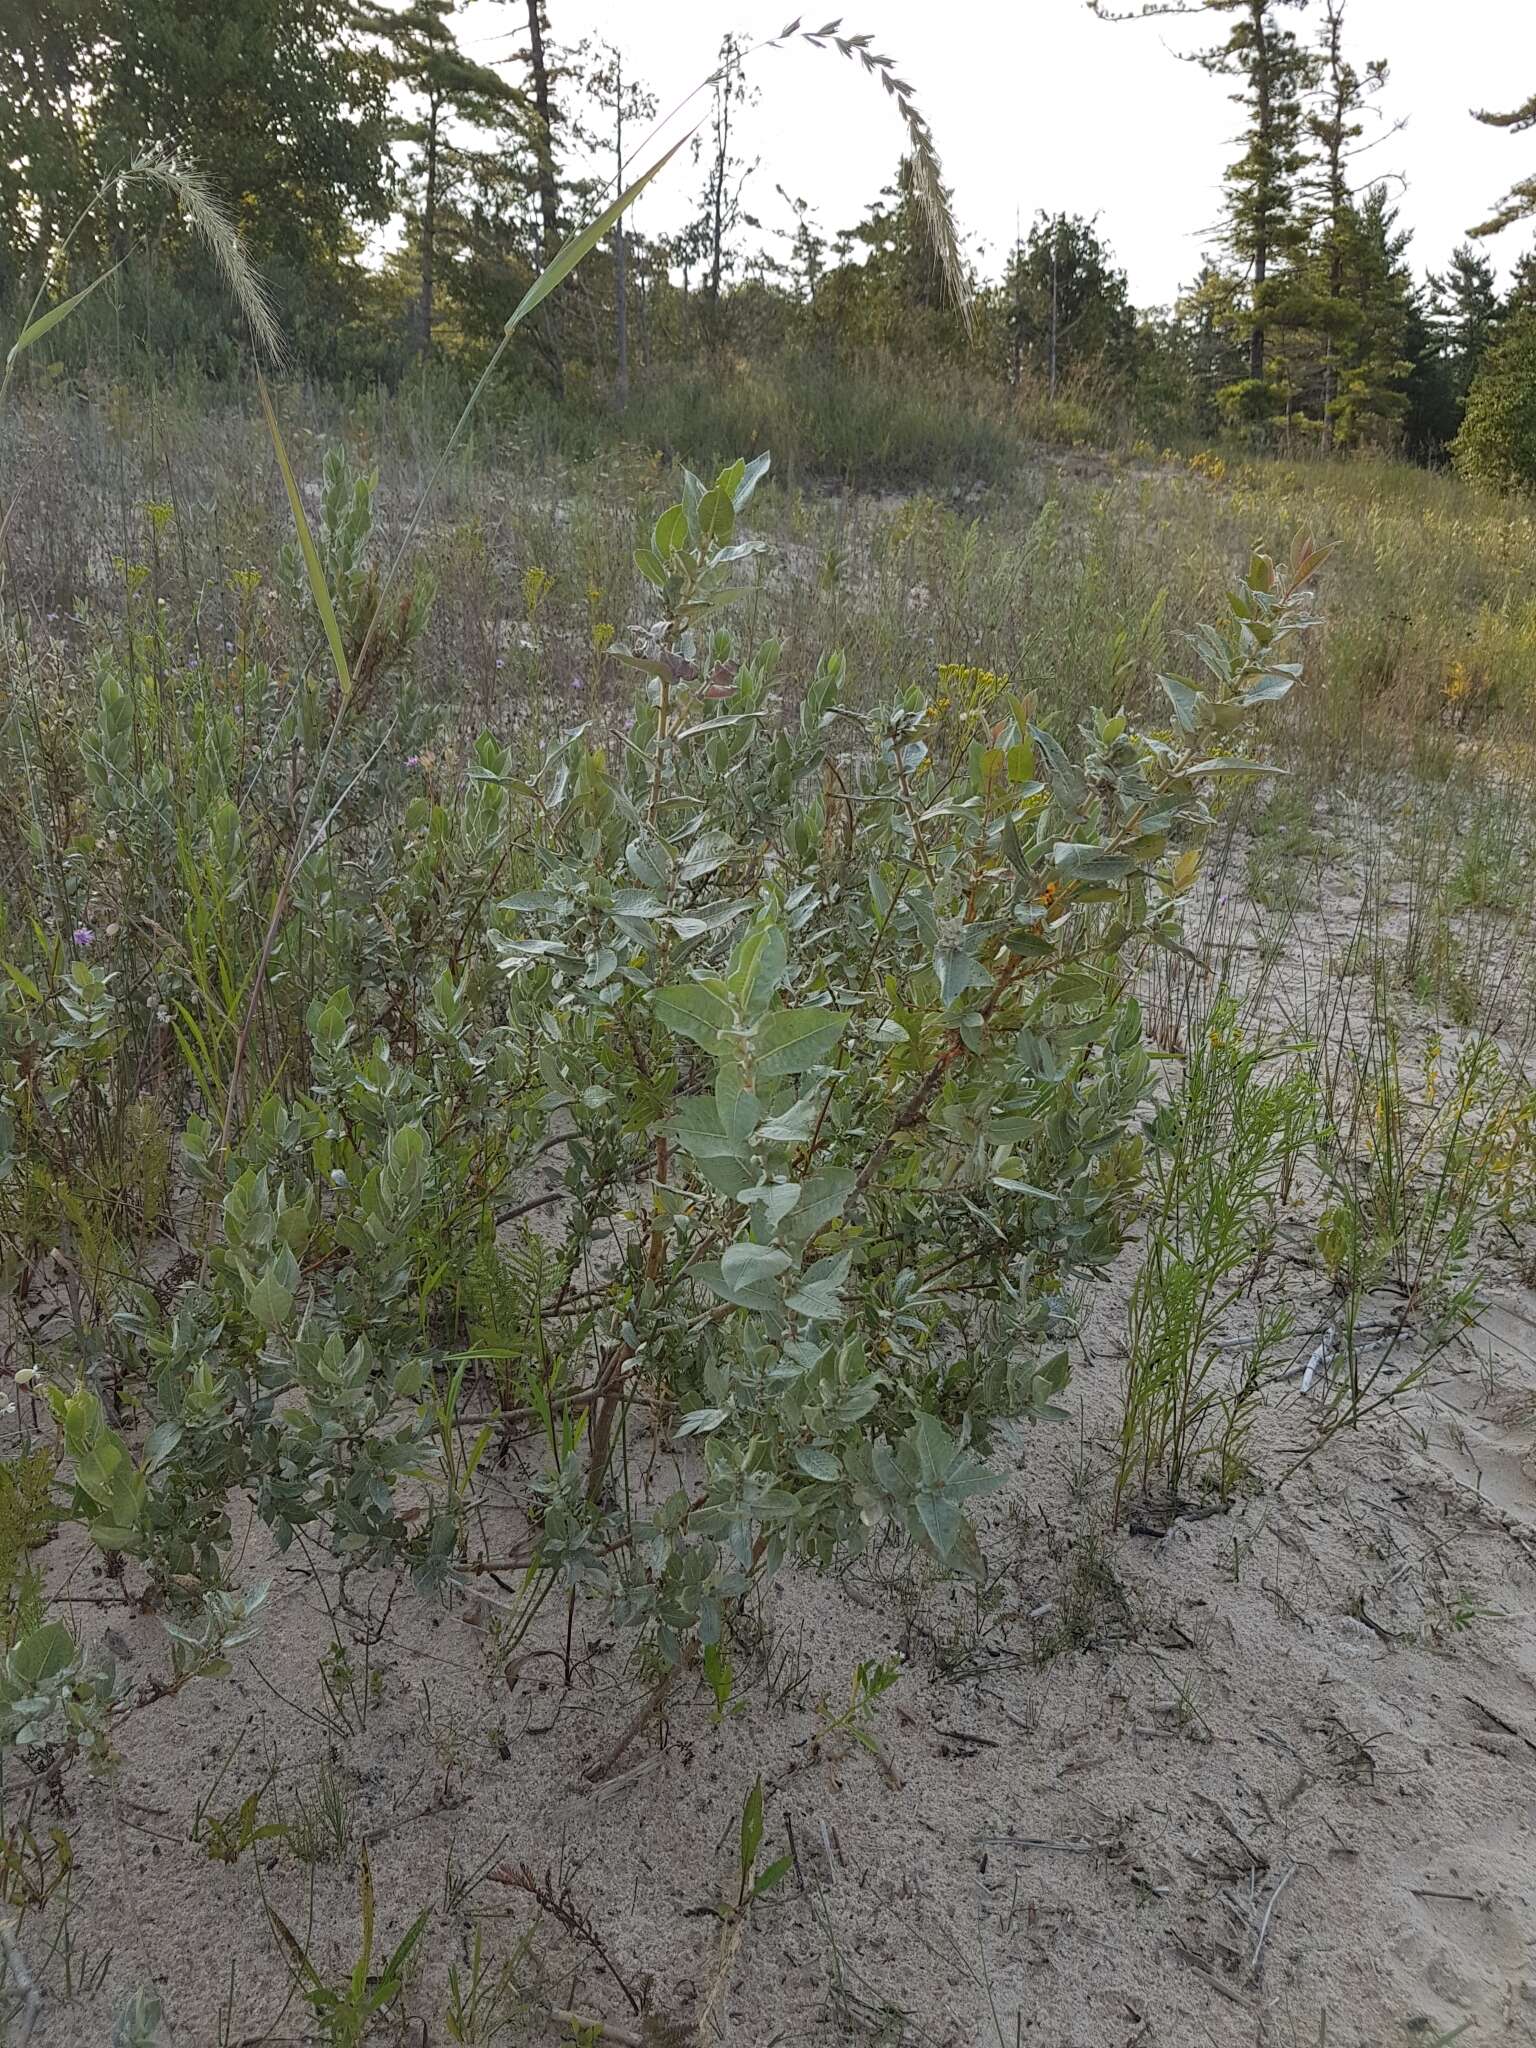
(1497, 442)
(821, 1009)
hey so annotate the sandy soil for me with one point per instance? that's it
(1266, 1777)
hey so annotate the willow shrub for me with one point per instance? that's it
(821, 1019)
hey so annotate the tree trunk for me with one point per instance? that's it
(717, 211)
(717, 227)
(549, 196)
(428, 234)
(620, 303)
(1263, 85)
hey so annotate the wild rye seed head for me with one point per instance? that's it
(927, 173)
(210, 218)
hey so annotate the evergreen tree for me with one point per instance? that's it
(1066, 302)
(1519, 203)
(551, 134)
(898, 296)
(1433, 410)
(720, 208)
(1370, 400)
(1208, 333)
(1264, 230)
(46, 158)
(1522, 286)
(443, 84)
(626, 103)
(1340, 98)
(1497, 442)
(1464, 314)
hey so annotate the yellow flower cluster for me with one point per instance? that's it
(1458, 684)
(970, 690)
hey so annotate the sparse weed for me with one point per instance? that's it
(1223, 1153)
(347, 2010)
(1090, 1597)
(317, 1829)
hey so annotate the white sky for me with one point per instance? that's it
(1037, 105)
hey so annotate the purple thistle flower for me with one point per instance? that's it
(83, 935)
(413, 760)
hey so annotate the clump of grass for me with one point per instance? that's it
(1090, 1598)
(1224, 1151)
(1411, 1163)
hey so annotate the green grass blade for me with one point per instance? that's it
(312, 568)
(578, 246)
(36, 329)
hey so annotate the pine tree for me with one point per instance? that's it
(1464, 314)
(1330, 330)
(721, 212)
(1263, 229)
(273, 100)
(899, 295)
(1521, 296)
(1519, 203)
(424, 58)
(1433, 411)
(1208, 331)
(1340, 98)
(1370, 401)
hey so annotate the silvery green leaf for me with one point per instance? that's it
(774, 1198)
(958, 969)
(1268, 689)
(637, 903)
(648, 861)
(714, 725)
(819, 1296)
(701, 1421)
(751, 476)
(1090, 863)
(794, 1125)
(695, 1123)
(940, 1516)
(822, 1199)
(693, 1011)
(1188, 702)
(709, 851)
(817, 1463)
(737, 1106)
(744, 1265)
(1067, 784)
(789, 1041)
(758, 965)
